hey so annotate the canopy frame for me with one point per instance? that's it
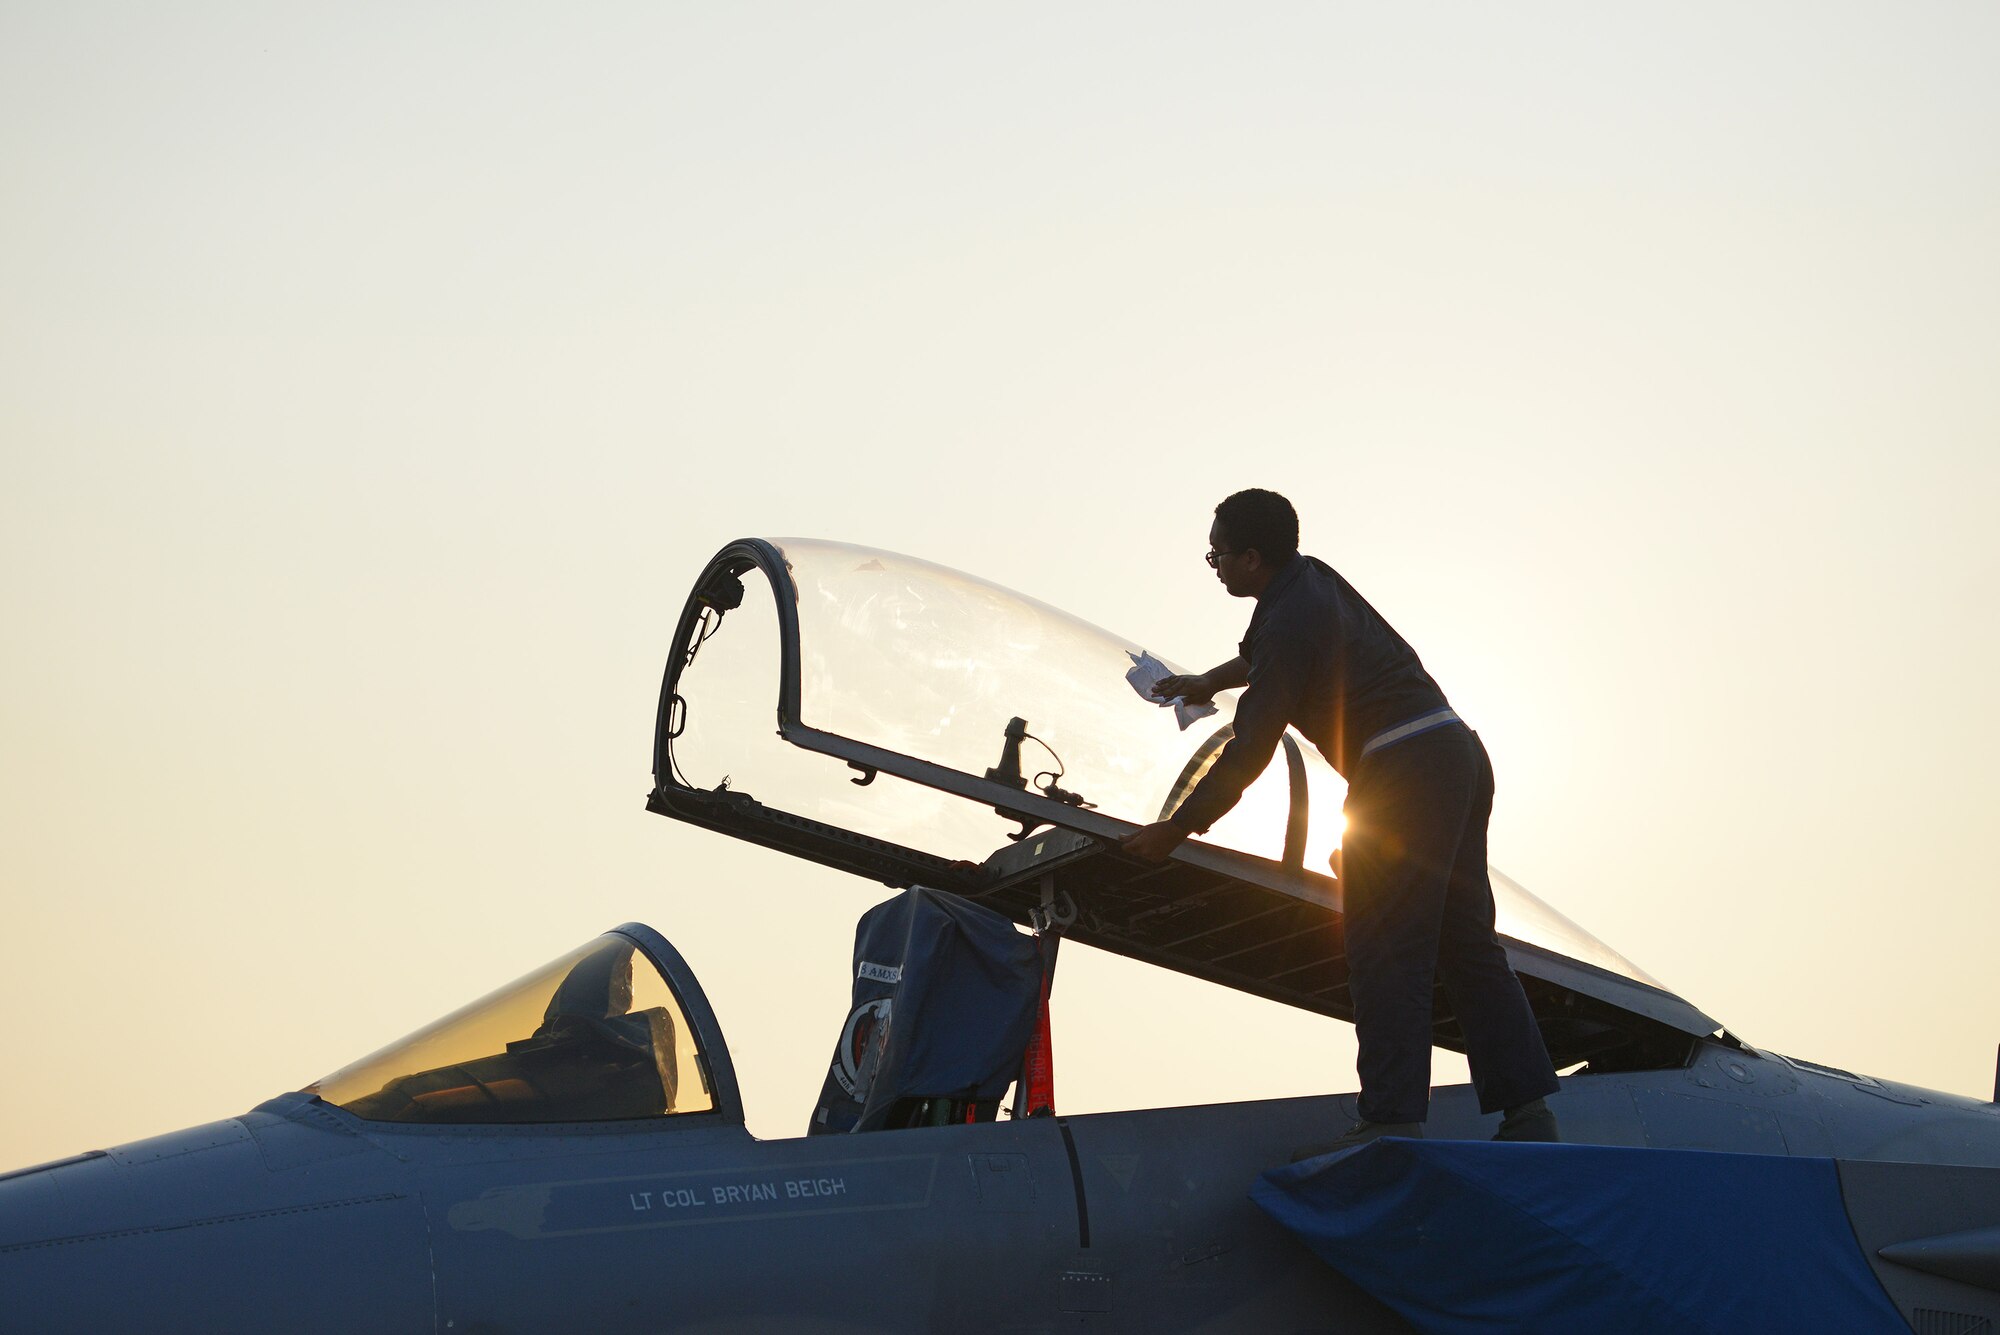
(1271, 928)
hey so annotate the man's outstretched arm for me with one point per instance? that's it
(1261, 716)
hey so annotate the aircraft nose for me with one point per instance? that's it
(254, 1224)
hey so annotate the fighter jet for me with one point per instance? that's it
(568, 1153)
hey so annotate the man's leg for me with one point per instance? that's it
(1503, 1044)
(1407, 810)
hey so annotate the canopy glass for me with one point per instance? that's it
(915, 660)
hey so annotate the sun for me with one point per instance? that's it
(1256, 824)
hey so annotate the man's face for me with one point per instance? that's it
(1235, 569)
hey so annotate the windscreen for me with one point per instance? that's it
(596, 1035)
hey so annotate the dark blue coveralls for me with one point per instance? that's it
(1418, 902)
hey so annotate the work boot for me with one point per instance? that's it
(1530, 1121)
(1361, 1133)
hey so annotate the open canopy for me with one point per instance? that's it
(926, 721)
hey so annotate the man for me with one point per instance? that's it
(1418, 903)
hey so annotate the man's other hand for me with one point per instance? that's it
(1193, 688)
(1155, 843)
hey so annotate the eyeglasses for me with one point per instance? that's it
(1213, 557)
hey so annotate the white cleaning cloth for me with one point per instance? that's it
(1147, 672)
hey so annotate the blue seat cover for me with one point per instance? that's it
(945, 996)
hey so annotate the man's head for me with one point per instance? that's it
(1254, 534)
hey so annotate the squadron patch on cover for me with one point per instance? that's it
(866, 1033)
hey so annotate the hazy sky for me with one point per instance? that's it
(374, 379)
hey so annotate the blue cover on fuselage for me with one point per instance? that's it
(1462, 1236)
(945, 994)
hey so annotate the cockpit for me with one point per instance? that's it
(919, 726)
(598, 1034)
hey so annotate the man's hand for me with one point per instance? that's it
(1155, 843)
(1193, 688)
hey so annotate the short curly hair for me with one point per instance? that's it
(1263, 520)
